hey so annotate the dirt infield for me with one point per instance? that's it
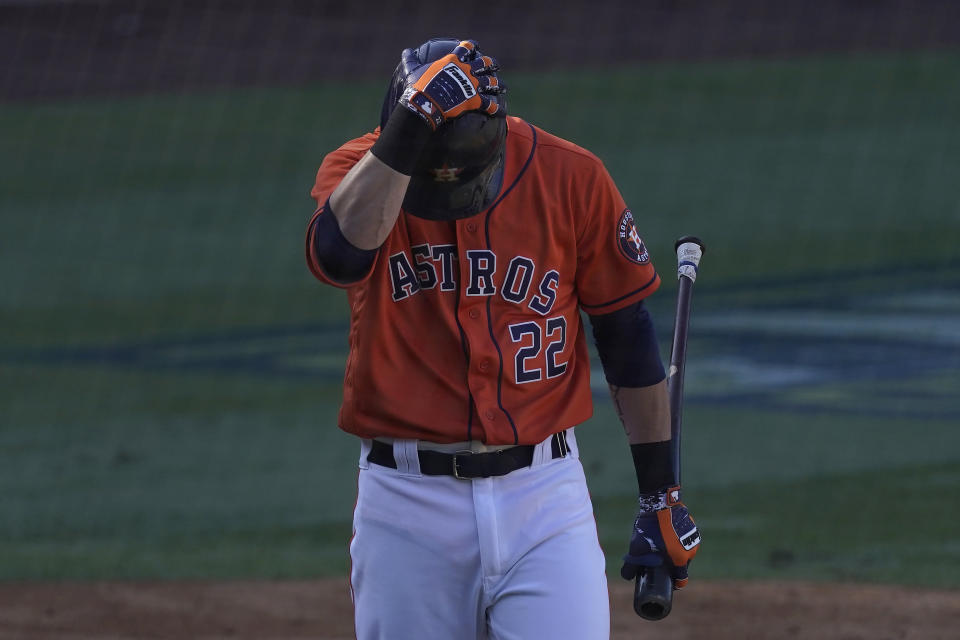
(322, 609)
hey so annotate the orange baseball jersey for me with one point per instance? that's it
(470, 329)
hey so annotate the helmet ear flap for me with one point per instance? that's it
(398, 83)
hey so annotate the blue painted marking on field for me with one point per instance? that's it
(833, 283)
(827, 349)
(895, 354)
(316, 351)
(849, 344)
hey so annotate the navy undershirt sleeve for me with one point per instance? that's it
(627, 344)
(341, 260)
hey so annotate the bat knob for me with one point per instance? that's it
(653, 594)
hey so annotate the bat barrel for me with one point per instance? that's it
(689, 251)
(678, 356)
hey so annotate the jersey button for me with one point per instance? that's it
(474, 313)
(489, 415)
(472, 227)
(484, 365)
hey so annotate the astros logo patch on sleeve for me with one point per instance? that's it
(630, 243)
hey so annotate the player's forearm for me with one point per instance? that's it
(628, 349)
(367, 201)
(645, 415)
(627, 345)
(643, 411)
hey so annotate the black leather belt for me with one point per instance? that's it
(467, 464)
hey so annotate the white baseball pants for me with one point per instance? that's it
(514, 557)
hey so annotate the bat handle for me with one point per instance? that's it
(653, 594)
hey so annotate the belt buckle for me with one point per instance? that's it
(455, 459)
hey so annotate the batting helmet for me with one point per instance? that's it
(460, 170)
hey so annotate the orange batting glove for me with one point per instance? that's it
(460, 81)
(663, 533)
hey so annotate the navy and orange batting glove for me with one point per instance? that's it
(461, 81)
(663, 533)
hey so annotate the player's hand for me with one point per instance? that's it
(461, 81)
(663, 533)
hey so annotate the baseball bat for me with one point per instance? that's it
(653, 593)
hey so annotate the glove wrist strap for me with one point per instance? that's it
(664, 499)
(650, 502)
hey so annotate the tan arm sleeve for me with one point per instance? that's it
(643, 411)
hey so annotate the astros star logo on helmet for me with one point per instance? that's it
(447, 173)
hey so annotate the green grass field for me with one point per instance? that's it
(169, 369)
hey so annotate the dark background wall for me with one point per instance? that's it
(63, 49)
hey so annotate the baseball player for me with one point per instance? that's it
(468, 243)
